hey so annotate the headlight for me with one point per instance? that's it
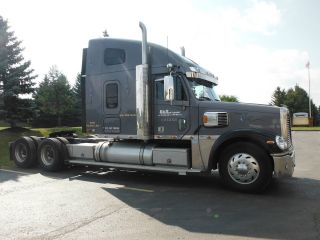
(281, 142)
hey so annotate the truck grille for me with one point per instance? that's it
(223, 119)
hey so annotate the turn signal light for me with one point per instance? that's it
(205, 119)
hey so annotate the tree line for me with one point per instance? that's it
(296, 99)
(54, 102)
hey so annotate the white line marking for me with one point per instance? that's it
(138, 189)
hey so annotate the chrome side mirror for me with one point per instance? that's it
(168, 88)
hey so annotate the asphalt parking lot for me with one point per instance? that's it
(86, 203)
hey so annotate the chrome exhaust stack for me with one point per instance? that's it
(143, 109)
(144, 47)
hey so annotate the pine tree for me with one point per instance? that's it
(77, 103)
(16, 77)
(54, 95)
(278, 97)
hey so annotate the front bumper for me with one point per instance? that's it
(284, 164)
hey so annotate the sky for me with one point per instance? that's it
(253, 46)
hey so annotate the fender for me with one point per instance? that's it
(258, 137)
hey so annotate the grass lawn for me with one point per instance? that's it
(306, 128)
(8, 135)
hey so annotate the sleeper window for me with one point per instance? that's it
(114, 56)
(112, 95)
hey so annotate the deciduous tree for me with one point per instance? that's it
(229, 98)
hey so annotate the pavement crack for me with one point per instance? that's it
(76, 225)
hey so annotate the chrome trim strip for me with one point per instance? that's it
(209, 137)
(165, 137)
(115, 136)
(187, 137)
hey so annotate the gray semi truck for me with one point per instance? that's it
(150, 109)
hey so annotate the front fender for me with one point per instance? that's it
(245, 135)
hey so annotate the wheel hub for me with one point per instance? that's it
(243, 168)
(21, 153)
(47, 155)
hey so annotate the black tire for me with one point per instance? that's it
(24, 152)
(36, 140)
(51, 155)
(64, 141)
(245, 167)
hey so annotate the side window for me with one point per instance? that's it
(114, 56)
(180, 93)
(112, 95)
(159, 90)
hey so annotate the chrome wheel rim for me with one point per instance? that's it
(243, 168)
(21, 153)
(47, 155)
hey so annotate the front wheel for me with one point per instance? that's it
(245, 167)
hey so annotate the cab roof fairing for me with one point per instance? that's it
(159, 57)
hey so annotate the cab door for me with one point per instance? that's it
(171, 118)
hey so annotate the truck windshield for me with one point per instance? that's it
(203, 90)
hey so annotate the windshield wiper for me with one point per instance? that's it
(205, 99)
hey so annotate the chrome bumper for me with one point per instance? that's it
(284, 164)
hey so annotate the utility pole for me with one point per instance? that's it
(308, 67)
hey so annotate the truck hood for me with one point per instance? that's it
(262, 118)
(240, 107)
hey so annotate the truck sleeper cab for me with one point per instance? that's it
(148, 108)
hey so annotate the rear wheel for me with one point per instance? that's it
(245, 167)
(36, 140)
(51, 154)
(24, 152)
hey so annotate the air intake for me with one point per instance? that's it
(223, 119)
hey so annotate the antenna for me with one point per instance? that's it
(167, 48)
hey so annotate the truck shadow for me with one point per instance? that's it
(289, 209)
